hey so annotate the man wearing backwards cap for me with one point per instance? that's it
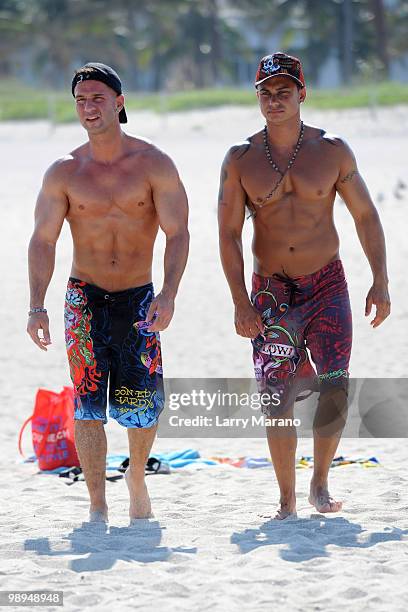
(287, 176)
(115, 191)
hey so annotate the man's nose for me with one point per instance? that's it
(273, 100)
(89, 105)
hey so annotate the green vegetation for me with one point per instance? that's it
(382, 94)
(200, 45)
(18, 102)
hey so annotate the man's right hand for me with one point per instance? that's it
(38, 321)
(248, 321)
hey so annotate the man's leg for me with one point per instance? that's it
(282, 443)
(329, 339)
(328, 425)
(84, 328)
(90, 440)
(269, 297)
(140, 443)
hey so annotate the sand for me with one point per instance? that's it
(209, 546)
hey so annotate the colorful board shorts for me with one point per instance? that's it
(107, 342)
(308, 313)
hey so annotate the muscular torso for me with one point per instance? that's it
(112, 217)
(294, 230)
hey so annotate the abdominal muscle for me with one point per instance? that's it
(113, 256)
(296, 249)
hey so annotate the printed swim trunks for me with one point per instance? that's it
(308, 313)
(107, 341)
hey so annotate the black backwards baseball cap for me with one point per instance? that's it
(95, 71)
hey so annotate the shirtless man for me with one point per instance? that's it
(114, 190)
(287, 176)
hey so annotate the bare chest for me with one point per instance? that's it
(311, 178)
(98, 191)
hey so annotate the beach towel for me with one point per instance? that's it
(247, 462)
(182, 458)
(306, 461)
(159, 463)
(153, 466)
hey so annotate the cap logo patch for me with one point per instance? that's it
(270, 66)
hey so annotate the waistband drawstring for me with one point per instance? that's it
(289, 284)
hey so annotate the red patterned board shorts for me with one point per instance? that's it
(302, 315)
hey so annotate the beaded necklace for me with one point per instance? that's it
(261, 201)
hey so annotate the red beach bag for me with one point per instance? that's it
(52, 427)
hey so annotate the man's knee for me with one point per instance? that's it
(87, 423)
(88, 431)
(140, 443)
(141, 433)
(331, 413)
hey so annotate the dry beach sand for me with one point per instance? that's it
(209, 546)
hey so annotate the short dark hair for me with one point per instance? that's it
(85, 70)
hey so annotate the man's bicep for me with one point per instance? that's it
(351, 186)
(231, 199)
(170, 199)
(51, 208)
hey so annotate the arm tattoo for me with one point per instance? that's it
(242, 150)
(238, 151)
(349, 176)
(224, 175)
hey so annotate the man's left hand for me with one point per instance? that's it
(160, 312)
(378, 296)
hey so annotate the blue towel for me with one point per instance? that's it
(179, 459)
(114, 461)
(175, 459)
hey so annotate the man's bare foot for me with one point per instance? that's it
(287, 510)
(321, 499)
(99, 515)
(140, 506)
(282, 514)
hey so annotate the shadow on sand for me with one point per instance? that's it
(308, 538)
(100, 546)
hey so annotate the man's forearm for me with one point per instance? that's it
(175, 259)
(233, 265)
(372, 240)
(41, 261)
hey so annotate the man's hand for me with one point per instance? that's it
(248, 321)
(160, 312)
(36, 322)
(379, 297)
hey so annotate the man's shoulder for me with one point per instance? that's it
(139, 144)
(144, 147)
(156, 162)
(330, 145)
(239, 149)
(324, 137)
(61, 168)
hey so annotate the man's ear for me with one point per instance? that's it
(302, 94)
(120, 102)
